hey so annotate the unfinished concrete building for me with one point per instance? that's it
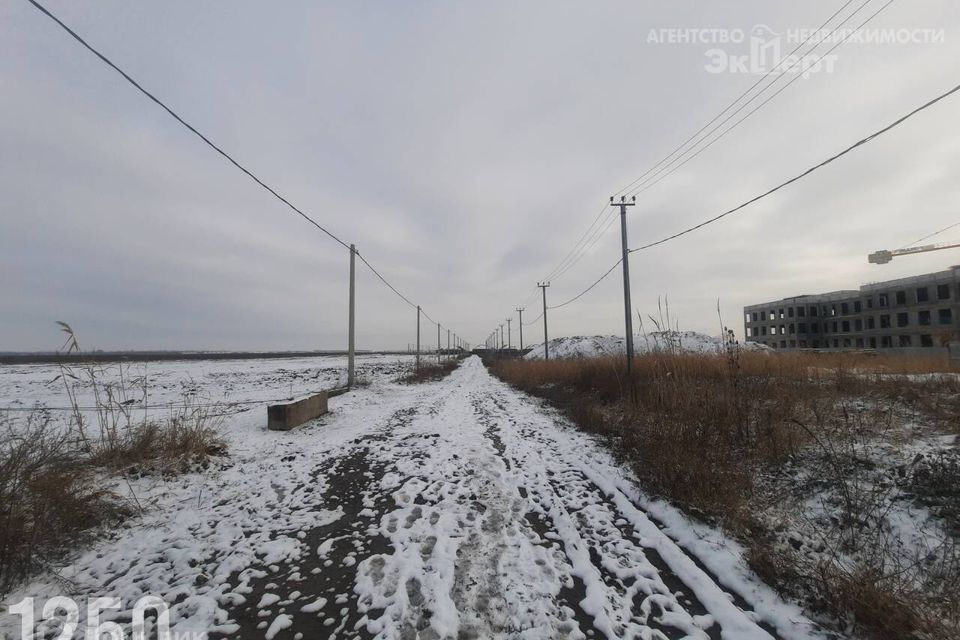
(918, 314)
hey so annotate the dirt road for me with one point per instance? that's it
(454, 509)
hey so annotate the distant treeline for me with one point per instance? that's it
(154, 356)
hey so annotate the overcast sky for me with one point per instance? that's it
(463, 146)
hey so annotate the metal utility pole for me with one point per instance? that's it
(520, 311)
(418, 337)
(546, 350)
(509, 334)
(351, 331)
(628, 315)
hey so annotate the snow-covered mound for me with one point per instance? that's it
(675, 341)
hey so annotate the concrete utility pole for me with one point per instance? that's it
(509, 334)
(502, 343)
(351, 331)
(628, 315)
(418, 337)
(448, 341)
(520, 311)
(438, 343)
(546, 350)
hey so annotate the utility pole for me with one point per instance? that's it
(418, 337)
(509, 334)
(520, 311)
(438, 343)
(502, 343)
(628, 315)
(448, 342)
(351, 331)
(546, 350)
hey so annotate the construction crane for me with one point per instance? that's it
(884, 255)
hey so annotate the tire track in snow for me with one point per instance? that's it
(481, 570)
(728, 615)
(651, 606)
(465, 510)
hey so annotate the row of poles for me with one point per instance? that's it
(495, 340)
(454, 342)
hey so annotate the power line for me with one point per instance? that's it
(855, 145)
(384, 280)
(585, 291)
(534, 321)
(935, 233)
(553, 273)
(596, 238)
(655, 180)
(176, 117)
(754, 86)
(427, 316)
(591, 235)
(212, 145)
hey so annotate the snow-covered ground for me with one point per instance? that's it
(872, 507)
(454, 509)
(227, 382)
(674, 341)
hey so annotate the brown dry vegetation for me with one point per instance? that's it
(54, 474)
(55, 486)
(183, 442)
(47, 496)
(429, 371)
(706, 431)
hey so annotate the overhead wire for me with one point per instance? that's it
(765, 76)
(802, 175)
(212, 145)
(186, 124)
(655, 180)
(602, 230)
(384, 281)
(588, 239)
(534, 321)
(796, 178)
(585, 291)
(935, 233)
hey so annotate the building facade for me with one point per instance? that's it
(915, 313)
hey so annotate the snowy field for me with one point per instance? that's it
(454, 509)
(672, 341)
(233, 387)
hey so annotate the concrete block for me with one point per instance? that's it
(283, 417)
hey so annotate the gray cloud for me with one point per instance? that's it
(464, 147)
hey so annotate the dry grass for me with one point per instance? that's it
(47, 496)
(429, 371)
(183, 442)
(730, 417)
(702, 431)
(53, 482)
